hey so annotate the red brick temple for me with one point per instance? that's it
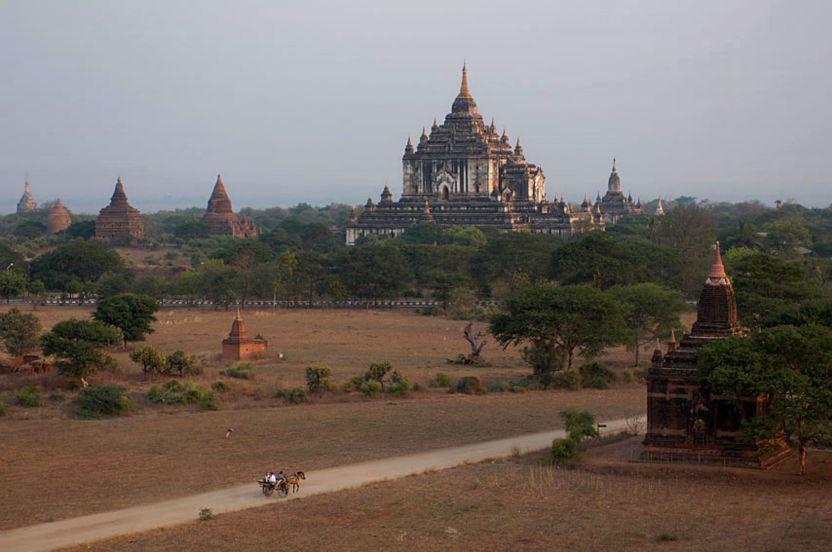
(58, 218)
(238, 346)
(686, 420)
(220, 219)
(119, 219)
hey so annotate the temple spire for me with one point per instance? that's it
(613, 164)
(463, 88)
(717, 268)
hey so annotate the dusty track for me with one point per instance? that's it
(50, 536)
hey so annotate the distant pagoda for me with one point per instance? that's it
(615, 204)
(119, 219)
(220, 219)
(27, 203)
(465, 173)
(58, 218)
(686, 419)
(239, 346)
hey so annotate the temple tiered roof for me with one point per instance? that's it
(27, 203)
(220, 219)
(119, 219)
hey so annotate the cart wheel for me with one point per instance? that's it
(283, 490)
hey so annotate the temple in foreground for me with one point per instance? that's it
(239, 346)
(466, 173)
(220, 219)
(686, 420)
(119, 219)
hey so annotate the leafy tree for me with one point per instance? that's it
(80, 260)
(377, 371)
(374, 271)
(579, 424)
(511, 253)
(578, 319)
(19, 332)
(601, 261)
(77, 346)
(785, 237)
(151, 360)
(689, 231)
(37, 290)
(132, 314)
(651, 311)
(765, 285)
(318, 379)
(790, 369)
(12, 284)
(182, 363)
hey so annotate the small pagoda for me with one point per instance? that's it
(119, 219)
(220, 219)
(687, 420)
(58, 218)
(239, 346)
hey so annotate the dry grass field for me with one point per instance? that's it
(523, 504)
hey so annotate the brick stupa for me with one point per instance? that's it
(220, 219)
(238, 346)
(58, 219)
(686, 420)
(119, 219)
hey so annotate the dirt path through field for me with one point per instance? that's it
(50, 536)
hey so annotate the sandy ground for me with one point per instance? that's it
(521, 503)
(69, 532)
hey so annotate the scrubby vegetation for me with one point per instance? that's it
(239, 371)
(101, 402)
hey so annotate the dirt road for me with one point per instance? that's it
(74, 531)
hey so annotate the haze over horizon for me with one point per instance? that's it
(307, 102)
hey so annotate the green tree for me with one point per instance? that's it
(788, 368)
(182, 363)
(785, 238)
(132, 314)
(77, 344)
(151, 360)
(12, 284)
(374, 271)
(37, 290)
(651, 311)
(689, 231)
(19, 332)
(80, 260)
(576, 319)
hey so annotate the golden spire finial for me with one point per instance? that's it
(463, 88)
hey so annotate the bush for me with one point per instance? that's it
(596, 376)
(579, 424)
(441, 379)
(628, 376)
(377, 371)
(101, 402)
(28, 395)
(354, 383)
(566, 379)
(318, 379)
(168, 393)
(499, 387)
(563, 450)
(239, 371)
(371, 388)
(469, 385)
(173, 392)
(399, 384)
(220, 387)
(184, 364)
(296, 395)
(206, 514)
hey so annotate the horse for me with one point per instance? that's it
(294, 480)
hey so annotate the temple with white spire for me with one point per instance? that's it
(464, 173)
(27, 203)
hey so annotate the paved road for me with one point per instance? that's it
(74, 531)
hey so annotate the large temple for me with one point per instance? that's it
(220, 219)
(119, 219)
(686, 419)
(466, 173)
(615, 205)
(27, 203)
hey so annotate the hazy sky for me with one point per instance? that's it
(313, 101)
